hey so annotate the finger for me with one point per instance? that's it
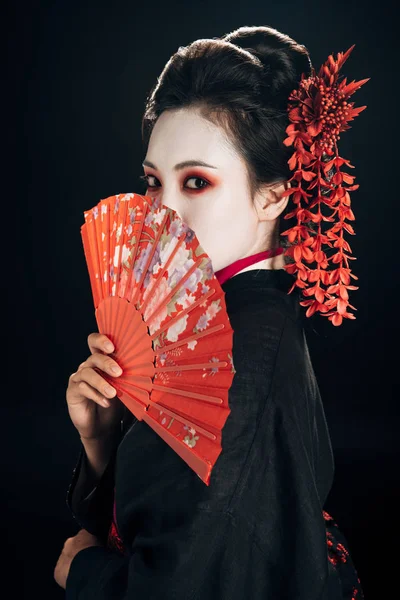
(89, 392)
(95, 380)
(104, 363)
(99, 342)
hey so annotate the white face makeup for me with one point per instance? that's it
(213, 200)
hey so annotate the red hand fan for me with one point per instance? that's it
(157, 298)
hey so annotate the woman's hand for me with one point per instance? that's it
(73, 545)
(87, 389)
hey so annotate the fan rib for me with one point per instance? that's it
(98, 236)
(121, 220)
(92, 250)
(105, 246)
(180, 392)
(150, 257)
(128, 290)
(202, 467)
(195, 336)
(192, 366)
(185, 420)
(132, 400)
(172, 293)
(157, 278)
(182, 313)
(91, 264)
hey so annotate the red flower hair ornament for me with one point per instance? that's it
(319, 111)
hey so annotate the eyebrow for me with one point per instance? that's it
(181, 165)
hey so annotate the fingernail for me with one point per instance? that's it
(108, 346)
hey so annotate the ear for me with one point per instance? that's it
(269, 202)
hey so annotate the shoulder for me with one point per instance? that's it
(261, 300)
(270, 346)
(262, 320)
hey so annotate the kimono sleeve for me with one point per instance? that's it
(215, 556)
(91, 502)
(210, 557)
(268, 544)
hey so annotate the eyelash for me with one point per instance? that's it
(145, 178)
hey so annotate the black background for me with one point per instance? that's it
(75, 84)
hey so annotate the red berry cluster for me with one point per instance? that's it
(319, 112)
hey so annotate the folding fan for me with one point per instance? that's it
(157, 298)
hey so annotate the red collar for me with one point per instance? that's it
(227, 272)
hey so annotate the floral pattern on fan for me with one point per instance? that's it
(157, 298)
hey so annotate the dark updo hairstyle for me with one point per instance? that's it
(240, 82)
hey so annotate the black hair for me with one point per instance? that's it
(240, 82)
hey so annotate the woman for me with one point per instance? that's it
(214, 127)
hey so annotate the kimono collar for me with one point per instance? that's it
(227, 272)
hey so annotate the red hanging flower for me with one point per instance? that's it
(319, 112)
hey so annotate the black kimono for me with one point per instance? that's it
(259, 530)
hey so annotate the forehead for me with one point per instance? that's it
(184, 134)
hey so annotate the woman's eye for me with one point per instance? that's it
(147, 179)
(197, 179)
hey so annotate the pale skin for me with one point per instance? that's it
(215, 202)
